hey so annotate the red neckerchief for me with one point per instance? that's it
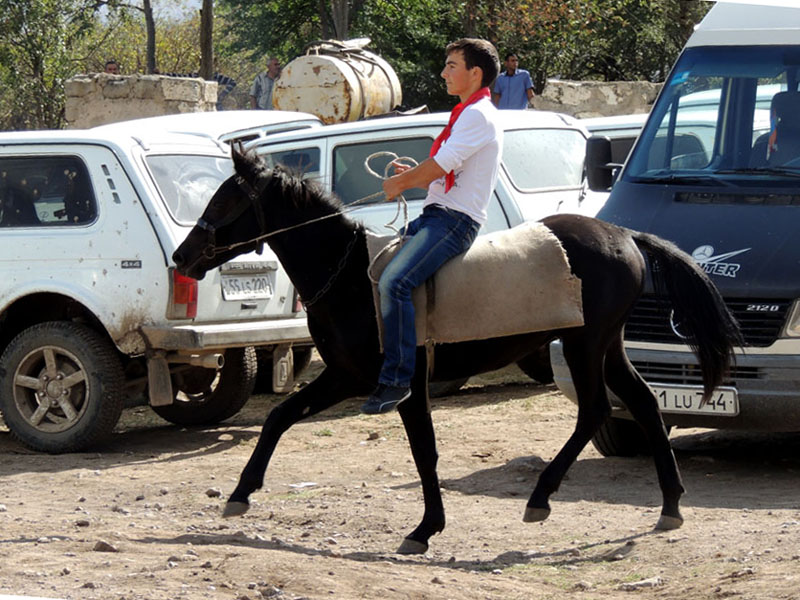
(484, 92)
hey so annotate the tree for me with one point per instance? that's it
(36, 42)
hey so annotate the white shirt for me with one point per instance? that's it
(472, 152)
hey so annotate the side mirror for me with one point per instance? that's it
(599, 168)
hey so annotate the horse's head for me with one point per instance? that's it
(233, 221)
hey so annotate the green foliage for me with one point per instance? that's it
(36, 41)
(44, 42)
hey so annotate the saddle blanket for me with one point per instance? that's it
(509, 282)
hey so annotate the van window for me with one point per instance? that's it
(713, 118)
(303, 161)
(544, 158)
(352, 182)
(43, 191)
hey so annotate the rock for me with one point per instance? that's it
(102, 546)
(619, 553)
(582, 586)
(497, 571)
(644, 583)
(89, 585)
(437, 581)
(82, 523)
(373, 435)
(270, 591)
(213, 493)
(3, 508)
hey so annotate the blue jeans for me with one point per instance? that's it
(432, 239)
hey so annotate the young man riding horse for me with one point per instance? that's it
(460, 176)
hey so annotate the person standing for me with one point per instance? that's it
(261, 90)
(460, 175)
(514, 88)
(111, 67)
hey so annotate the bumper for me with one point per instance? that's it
(768, 386)
(228, 335)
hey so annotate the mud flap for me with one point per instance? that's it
(282, 369)
(159, 383)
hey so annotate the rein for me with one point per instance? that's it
(254, 195)
(253, 199)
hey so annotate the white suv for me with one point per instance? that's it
(93, 316)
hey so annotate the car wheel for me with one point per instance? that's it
(208, 396)
(537, 365)
(439, 389)
(621, 437)
(61, 389)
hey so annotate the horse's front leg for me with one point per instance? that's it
(329, 388)
(422, 439)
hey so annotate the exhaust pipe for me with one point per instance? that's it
(207, 361)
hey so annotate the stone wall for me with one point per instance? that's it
(584, 99)
(99, 98)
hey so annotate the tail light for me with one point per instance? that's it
(297, 305)
(183, 297)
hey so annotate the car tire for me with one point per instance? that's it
(622, 437)
(439, 389)
(209, 396)
(61, 389)
(536, 365)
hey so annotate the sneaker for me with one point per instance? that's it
(385, 398)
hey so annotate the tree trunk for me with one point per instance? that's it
(150, 27)
(206, 45)
(340, 13)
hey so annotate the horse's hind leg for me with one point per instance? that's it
(625, 382)
(585, 359)
(422, 439)
(323, 392)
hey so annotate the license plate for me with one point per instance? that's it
(247, 287)
(686, 399)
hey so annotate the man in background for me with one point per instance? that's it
(112, 67)
(513, 88)
(261, 90)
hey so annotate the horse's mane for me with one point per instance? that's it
(305, 195)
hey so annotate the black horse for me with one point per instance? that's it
(325, 255)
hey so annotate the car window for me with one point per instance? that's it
(304, 161)
(42, 191)
(187, 182)
(352, 182)
(544, 158)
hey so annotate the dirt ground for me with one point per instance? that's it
(141, 519)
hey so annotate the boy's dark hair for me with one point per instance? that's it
(510, 54)
(478, 53)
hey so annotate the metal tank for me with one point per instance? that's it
(338, 82)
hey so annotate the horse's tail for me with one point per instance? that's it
(712, 332)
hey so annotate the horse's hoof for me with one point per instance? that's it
(235, 509)
(534, 515)
(666, 522)
(410, 546)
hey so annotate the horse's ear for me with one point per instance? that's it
(246, 164)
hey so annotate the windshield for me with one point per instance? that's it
(187, 182)
(725, 114)
(544, 158)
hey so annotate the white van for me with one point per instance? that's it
(715, 173)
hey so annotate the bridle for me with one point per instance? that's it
(252, 196)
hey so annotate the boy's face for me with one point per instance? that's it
(459, 79)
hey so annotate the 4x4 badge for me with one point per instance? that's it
(131, 264)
